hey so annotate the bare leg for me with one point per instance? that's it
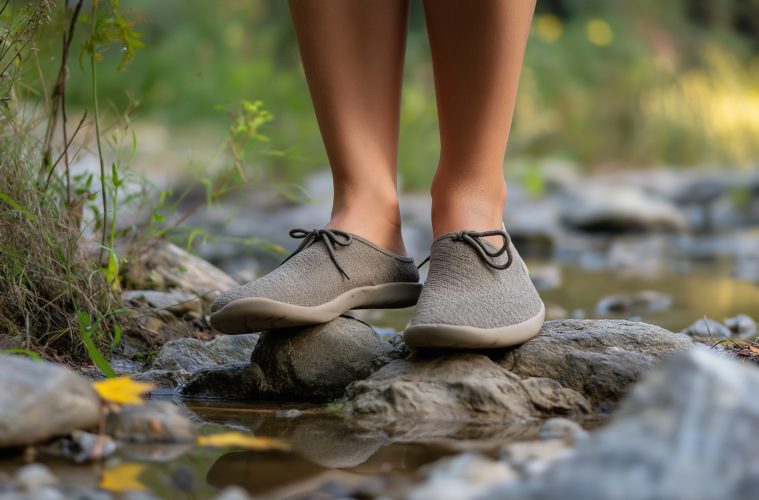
(477, 52)
(352, 53)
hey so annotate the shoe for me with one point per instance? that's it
(476, 296)
(330, 273)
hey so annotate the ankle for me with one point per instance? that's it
(472, 209)
(377, 220)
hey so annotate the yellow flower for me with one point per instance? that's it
(548, 27)
(599, 32)
(122, 390)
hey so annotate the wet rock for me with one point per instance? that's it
(41, 400)
(742, 326)
(455, 387)
(682, 434)
(319, 362)
(610, 208)
(463, 476)
(562, 428)
(706, 328)
(168, 266)
(306, 363)
(34, 477)
(533, 457)
(83, 446)
(177, 302)
(642, 302)
(151, 422)
(600, 359)
(184, 357)
(235, 381)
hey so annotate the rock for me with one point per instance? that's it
(463, 476)
(168, 266)
(34, 477)
(151, 422)
(176, 302)
(233, 493)
(533, 457)
(741, 326)
(41, 400)
(562, 428)
(706, 328)
(684, 433)
(642, 302)
(83, 446)
(236, 381)
(312, 363)
(600, 359)
(430, 394)
(610, 208)
(179, 359)
(546, 277)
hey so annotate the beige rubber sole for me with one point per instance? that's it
(254, 314)
(469, 337)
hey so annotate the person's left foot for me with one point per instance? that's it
(476, 296)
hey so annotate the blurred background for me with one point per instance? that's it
(632, 162)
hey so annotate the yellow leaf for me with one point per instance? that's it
(124, 477)
(122, 390)
(240, 440)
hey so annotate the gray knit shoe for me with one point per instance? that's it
(330, 273)
(476, 296)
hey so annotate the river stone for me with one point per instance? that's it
(708, 329)
(319, 362)
(610, 208)
(302, 363)
(179, 359)
(177, 302)
(600, 359)
(443, 389)
(151, 422)
(169, 266)
(41, 400)
(234, 381)
(684, 433)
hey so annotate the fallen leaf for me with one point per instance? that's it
(122, 390)
(124, 477)
(240, 440)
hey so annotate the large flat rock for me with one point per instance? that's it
(600, 359)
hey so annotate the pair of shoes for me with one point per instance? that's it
(476, 295)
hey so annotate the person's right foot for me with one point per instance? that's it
(476, 296)
(329, 274)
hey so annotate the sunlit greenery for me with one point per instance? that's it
(624, 83)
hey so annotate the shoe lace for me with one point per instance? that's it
(476, 240)
(330, 237)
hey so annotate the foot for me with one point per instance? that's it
(476, 296)
(329, 274)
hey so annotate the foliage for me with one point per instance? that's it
(239, 440)
(122, 390)
(594, 78)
